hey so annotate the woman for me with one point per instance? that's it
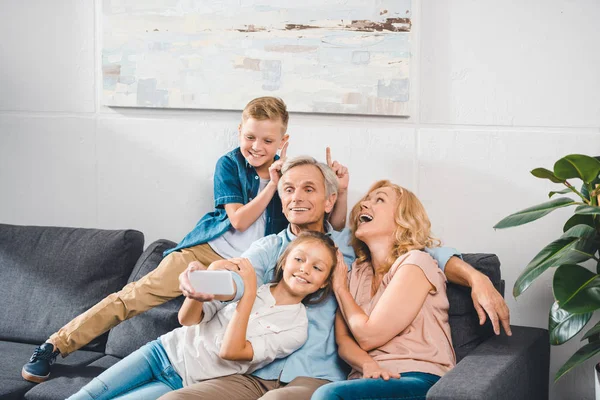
(392, 321)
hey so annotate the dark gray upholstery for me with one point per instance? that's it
(67, 269)
(464, 322)
(15, 355)
(500, 368)
(72, 269)
(64, 385)
(139, 330)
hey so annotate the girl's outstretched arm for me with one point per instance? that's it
(191, 312)
(235, 347)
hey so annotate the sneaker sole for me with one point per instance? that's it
(33, 378)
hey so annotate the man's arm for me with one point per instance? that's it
(486, 298)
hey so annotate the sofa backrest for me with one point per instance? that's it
(464, 322)
(139, 330)
(49, 275)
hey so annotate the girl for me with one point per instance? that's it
(218, 339)
(392, 321)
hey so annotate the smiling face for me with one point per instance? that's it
(260, 140)
(307, 268)
(375, 216)
(304, 198)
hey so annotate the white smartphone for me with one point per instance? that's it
(212, 282)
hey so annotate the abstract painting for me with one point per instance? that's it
(320, 56)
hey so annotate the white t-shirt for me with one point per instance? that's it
(233, 242)
(274, 331)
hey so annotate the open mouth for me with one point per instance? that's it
(363, 218)
(298, 209)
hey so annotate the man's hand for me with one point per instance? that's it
(340, 171)
(374, 371)
(275, 168)
(486, 299)
(186, 287)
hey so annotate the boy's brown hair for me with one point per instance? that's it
(262, 108)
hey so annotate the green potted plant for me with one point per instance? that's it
(576, 288)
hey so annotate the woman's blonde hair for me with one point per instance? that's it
(413, 228)
(315, 237)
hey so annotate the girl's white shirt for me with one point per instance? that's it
(274, 331)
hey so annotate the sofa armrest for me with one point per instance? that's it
(501, 367)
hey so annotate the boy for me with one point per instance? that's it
(247, 207)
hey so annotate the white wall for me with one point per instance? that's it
(500, 88)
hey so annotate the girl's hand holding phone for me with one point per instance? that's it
(248, 274)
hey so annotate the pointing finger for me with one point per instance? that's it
(328, 155)
(284, 150)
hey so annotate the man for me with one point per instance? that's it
(308, 191)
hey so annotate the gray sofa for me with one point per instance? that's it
(48, 275)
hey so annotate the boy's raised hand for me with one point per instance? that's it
(340, 171)
(275, 168)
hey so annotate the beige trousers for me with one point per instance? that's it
(154, 289)
(248, 387)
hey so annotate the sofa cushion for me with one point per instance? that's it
(464, 322)
(65, 383)
(139, 330)
(15, 355)
(49, 275)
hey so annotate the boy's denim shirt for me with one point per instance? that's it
(235, 181)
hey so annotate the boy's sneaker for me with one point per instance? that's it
(38, 368)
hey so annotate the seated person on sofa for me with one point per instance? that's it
(247, 207)
(307, 190)
(219, 340)
(392, 319)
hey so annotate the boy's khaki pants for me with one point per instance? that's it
(154, 289)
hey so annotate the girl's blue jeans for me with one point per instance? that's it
(146, 373)
(410, 385)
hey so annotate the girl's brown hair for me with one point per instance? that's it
(413, 228)
(316, 237)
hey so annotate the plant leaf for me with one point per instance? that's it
(563, 325)
(587, 210)
(564, 191)
(565, 250)
(576, 289)
(579, 219)
(594, 331)
(581, 355)
(580, 230)
(577, 166)
(533, 213)
(544, 173)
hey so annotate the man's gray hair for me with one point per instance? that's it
(331, 182)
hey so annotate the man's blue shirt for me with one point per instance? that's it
(318, 357)
(235, 181)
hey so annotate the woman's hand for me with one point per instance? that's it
(374, 371)
(340, 274)
(186, 286)
(248, 274)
